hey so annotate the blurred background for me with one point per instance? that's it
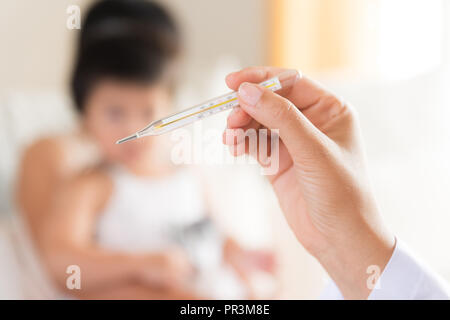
(389, 58)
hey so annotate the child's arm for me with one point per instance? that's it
(243, 261)
(246, 262)
(135, 291)
(66, 238)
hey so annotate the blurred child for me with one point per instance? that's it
(136, 226)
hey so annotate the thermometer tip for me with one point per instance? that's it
(132, 137)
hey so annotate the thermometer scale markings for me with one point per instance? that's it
(209, 108)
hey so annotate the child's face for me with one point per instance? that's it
(117, 109)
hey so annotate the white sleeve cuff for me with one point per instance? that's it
(404, 277)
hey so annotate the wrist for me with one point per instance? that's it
(350, 261)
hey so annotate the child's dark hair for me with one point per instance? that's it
(132, 40)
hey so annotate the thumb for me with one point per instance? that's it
(276, 112)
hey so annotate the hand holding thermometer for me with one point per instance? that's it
(209, 108)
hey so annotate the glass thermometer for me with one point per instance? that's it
(208, 108)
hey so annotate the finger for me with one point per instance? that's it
(327, 108)
(251, 74)
(303, 94)
(264, 156)
(238, 118)
(249, 142)
(275, 112)
(264, 261)
(237, 150)
(236, 135)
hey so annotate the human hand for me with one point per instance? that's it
(249, 260)
(170, 269)
(321, 184)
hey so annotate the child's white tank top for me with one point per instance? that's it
(150, 214)
(142, 213)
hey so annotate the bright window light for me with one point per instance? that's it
(410, 37)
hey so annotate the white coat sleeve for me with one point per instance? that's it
(404, 277)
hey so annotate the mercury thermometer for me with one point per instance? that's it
(208, 108)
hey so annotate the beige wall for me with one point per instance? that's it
(36, 46)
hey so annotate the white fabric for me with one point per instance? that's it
(142, 211)
(9, 277)
(404, 278)
(23, 276)
(143, 214)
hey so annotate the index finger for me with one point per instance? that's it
(304, 93)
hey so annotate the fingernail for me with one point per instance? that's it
(234, 111)
(250, 93)
(231, 74)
